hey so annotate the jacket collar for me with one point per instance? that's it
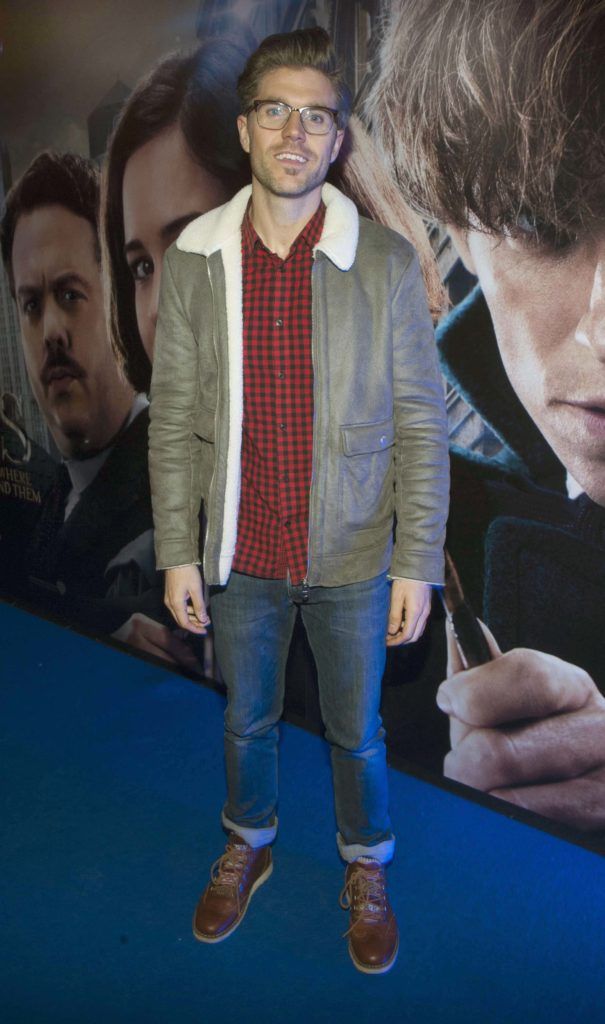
(210, 232)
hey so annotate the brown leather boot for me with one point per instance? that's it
(373, 934)
(233, 879)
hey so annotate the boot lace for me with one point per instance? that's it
(364, 894)
(226, 872)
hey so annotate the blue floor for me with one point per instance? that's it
(112, 789)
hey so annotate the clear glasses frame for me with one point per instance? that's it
(311, 127)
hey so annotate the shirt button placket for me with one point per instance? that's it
(282, 412)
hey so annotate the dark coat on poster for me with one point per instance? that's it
(27, 472)
(96, 568)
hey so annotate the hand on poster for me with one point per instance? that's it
(153, 637)
(528, 728)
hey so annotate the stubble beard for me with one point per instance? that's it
(301, 185)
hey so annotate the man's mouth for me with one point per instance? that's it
(591, 405)
(57, 374)
(288, 156)
(589, 415)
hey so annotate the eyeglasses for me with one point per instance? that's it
(274, 114)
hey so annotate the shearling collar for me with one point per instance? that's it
(208, 233)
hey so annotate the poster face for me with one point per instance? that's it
(143, 95)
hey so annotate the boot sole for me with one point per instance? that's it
(381, 969)
(202, 937)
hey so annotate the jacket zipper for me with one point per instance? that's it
(316, 409)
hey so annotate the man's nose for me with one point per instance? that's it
(56, 334)
(591, 328)
(293, 128)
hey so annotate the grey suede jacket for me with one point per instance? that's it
(379, 430)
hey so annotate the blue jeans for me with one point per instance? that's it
(253, 623)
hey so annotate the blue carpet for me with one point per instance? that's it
(112, 789)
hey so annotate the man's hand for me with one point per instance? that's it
(183, 598)
(528, 728)
(148, 635)
(409, 610)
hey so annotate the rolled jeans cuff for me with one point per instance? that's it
(255, 837)
(382, 852)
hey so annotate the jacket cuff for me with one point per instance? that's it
(416, 566)
(172, 554)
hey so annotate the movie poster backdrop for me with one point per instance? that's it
(76, 538)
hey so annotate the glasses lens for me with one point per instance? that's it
(316, 120)
(272, 115)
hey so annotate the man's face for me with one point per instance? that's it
(548, 310)
(71, 367)
(289, 162)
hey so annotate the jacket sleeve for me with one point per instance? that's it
(174, 449)
(421, 446)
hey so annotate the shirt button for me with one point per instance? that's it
(383, 439)
(282, 426)
(281, 376)
(279, 322)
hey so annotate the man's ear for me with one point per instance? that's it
(242, 127)
(460, 239)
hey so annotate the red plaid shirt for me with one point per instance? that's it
(277, 440)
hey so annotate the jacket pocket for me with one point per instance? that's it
(203, 424)
(366, 475)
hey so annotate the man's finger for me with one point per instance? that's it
(183, 587)
(411, 630)
(409, 609)
(562, 747)
(395, 613)
(178, 611)
(413, 626)
(158, 639)
(579, 803)
(459, 729)
(412, 617)
(420, 627)
(518, 685)
(197, 606)
(182, 654)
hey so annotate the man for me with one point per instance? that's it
(295, 385)
(492, 114)
(90, 559)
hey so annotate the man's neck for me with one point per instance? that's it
(278, 220)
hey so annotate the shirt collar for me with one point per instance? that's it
(573, 487)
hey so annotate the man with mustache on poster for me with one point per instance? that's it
(493, 117)
(295, 390)
(91, 554)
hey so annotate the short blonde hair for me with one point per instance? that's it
(304, 48)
